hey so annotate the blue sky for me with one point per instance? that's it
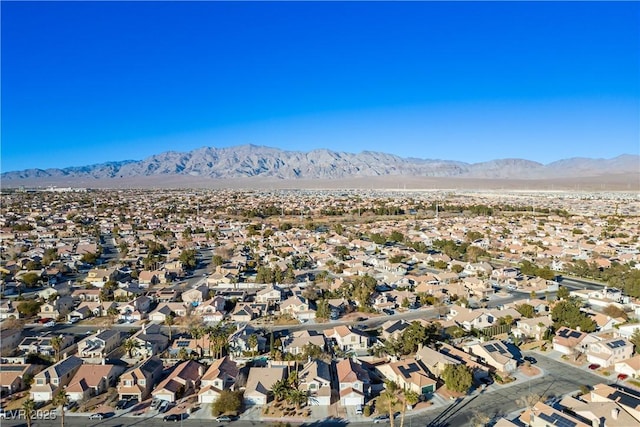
(88, 82)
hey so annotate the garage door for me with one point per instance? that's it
(41, 396)
(352, 401)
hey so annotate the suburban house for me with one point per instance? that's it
(296, 341)
(138, 382)
(609, 352)
(59, 307)
(9, 340)
(495, 354)
(221, 375)
(435, 361)
(42, 344)
(542, 415)
(535, 327)
(297, 307)
(47, 382)
(163, 310)
(259, 384)
(99, 276)
(196, 296)
(271, 295)
(182, 381)
(99, 345)
(150, 341)
(409, 374)
(12, 377)
(393, 329)
(571, 342)
(211, 310)
(239, 341)
(92, 380)
(353, 382)
(315, 377)
(92, 295)
(629, 367)
(630, 402)
(348, 339)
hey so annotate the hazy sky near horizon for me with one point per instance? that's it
(90, 82)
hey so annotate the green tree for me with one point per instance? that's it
(30, 279)
(280, 389)
(252, 341)
(297, 397)
(228, 402)
(188, 258)
(60, 399)
(526, 310)
(29, 308)
(458, 377)
(28, 406)
(409, 397)
(457, 268)
(56, 344)
(322, 309)
(563, 293)
(169, 320)
(567, 313)
(129, 345)
(389, 400)
(635, 340)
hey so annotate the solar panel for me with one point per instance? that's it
(575, 334)
(624, 399)
(616, 344)
(182, 343)
(490, 348)
(558, 420)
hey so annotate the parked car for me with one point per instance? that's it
(530, 359)
(223, 419)
(122, 404)
(174, 417)
(50, 324)
(359, 410)
(622, 377)
(381, 419)
(96, 416)
(163, 406)
(594, 366)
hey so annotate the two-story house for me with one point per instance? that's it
(221, 375)
(353, 382)
(295, 342)
(46, 383)
(92, 380)
(609, 352)
(260, 382)
(495, 354)
(196, 296)
(150, 341)
(99, 345)
(315, 378)
(409, 374)
(181, 382)
(138, 382)
(348, 339)
(59, 307)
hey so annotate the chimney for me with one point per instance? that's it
(614, 413)
(578, 329)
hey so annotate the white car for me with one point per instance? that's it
(50, 324)
(96, 416)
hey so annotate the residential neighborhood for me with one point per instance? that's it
(313, 305)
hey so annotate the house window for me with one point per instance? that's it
(142, 382)
(312, 386)
(54, 381)
(40, 381)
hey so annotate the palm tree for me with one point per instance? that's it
(62, 400)
(297, 397)
(293, 379)
(28, 406)
(389, 396)
(129, 345)
(280, 389)
(196, 333)
(252, 341)
(409, 397)
(169, 321)
(56, 344)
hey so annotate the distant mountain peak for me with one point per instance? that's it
(250, 160)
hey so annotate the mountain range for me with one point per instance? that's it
(248, 161)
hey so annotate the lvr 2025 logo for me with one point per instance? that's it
(38, 414)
